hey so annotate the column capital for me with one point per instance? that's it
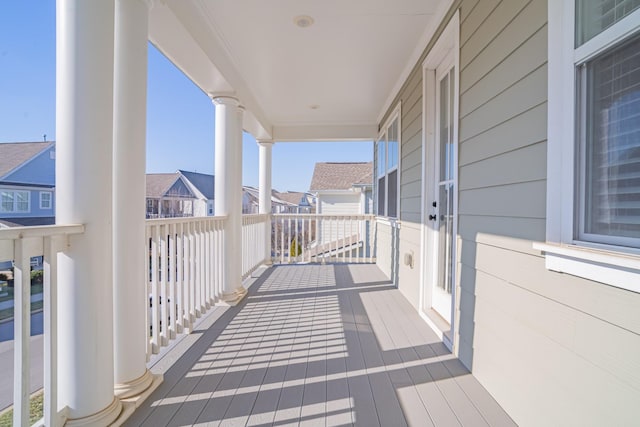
(224, 99)
(265, 143)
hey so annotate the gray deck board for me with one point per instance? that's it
(320, 345)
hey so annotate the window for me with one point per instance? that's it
(387, 155)
(593, 174)
(45, 199)
(14, 201)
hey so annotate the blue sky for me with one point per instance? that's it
(180, 119)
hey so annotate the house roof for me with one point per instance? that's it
(205, 183)
(15, 154)
(159, 183)
(292, 197)
(28, 221)
(341, 176)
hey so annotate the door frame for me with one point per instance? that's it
(448, 42)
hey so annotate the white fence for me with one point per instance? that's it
(20, 245)
(308, 238)
(254, 242)
(185, 255)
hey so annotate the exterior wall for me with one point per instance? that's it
(552, 349)
(200, 207)
(34, 203)
(40, 170)
(383, 248)
(339, 204)
(336, 204)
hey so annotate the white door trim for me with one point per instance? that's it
(448, 42)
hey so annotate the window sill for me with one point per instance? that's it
(608, 267)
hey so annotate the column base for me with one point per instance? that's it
(104, 418)
(134, 387)
(234, 297)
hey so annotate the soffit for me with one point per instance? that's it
(331, 79)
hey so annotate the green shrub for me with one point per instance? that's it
(4, 277)
(295, 249)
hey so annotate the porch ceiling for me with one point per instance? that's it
(330, 81)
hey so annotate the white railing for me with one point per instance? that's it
(308, 238)
(20, 244)
(254, 242)
(184, 259)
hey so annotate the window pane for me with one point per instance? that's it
(7, 201)
(392, 145)
(612, 135)
(22, 201)
(445, 123)
(595, 16)
(393, 194)
(381, 198)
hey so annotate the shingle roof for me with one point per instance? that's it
(14, 154)
(203, 182)
(341, 176)
(159, 183)
(292, 197)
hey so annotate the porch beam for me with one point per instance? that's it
(84, 150)
(228, 191)
(131, 376)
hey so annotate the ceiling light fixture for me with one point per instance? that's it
(303, 21)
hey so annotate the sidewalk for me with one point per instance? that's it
(9, 303)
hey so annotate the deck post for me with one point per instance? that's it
(84, 151)
(265, 154)
(131, 376)
(228, 191)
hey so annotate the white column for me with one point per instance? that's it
(265, 156)
(228, 192)
(84, 135)
(131, 375)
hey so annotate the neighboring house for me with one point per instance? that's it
(169, 195)
(304, 202)
(203, 187)
(251, 202)
(341, 189)
(27, 183)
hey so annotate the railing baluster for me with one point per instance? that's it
(180, 278)
(172, 281)
(155, 294)
(164, 269)
(50, 296)
(21, 328)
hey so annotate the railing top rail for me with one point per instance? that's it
(40, 231)
(185, 219)
(321, 216)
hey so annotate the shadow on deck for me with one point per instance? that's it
(320, 345)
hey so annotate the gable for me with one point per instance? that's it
(179, 189)
(40, 169)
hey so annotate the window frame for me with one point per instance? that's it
(383, 137)
(15, 209)
(564, 250)
(42, 205)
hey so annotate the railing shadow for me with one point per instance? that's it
(307, 344)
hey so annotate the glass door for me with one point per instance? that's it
(445, 214)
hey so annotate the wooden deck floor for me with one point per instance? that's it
(320, 345)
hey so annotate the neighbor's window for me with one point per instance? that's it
(608, 132)
(387, 151)
(14, 201)
(46, 198)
